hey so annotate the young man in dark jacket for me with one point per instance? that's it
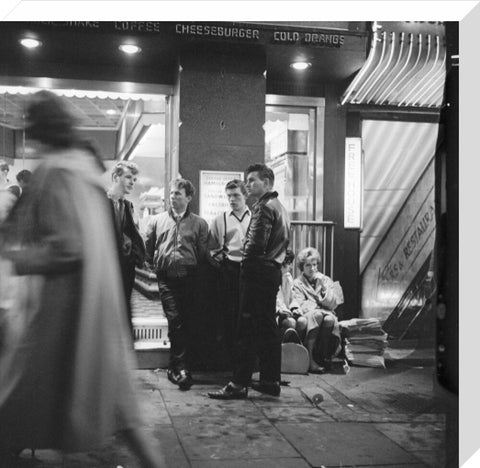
(260, 277)
(176, 242)
(129, 241)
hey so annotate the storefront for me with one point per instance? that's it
(217, 97)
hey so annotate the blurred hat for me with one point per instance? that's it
(50, 121)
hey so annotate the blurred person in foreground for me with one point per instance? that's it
(316, 299)
(130, 243)
(65, 380)
(264, 251)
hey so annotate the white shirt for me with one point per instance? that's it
(232, 234)
(178, 216)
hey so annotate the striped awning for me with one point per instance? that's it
(405, 67)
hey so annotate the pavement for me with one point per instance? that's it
(393, 417)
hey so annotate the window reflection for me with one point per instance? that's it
(289, 151)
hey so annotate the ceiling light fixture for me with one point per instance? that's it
(300, 65)
(111, 112)
(129, 49)
(30, 43)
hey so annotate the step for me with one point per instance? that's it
(150, 329)
(152, 355)
(152, 346)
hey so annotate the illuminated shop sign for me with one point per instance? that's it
(353, 216)
(418, 238)
(228, 32)
(211, 30)
(308, 38)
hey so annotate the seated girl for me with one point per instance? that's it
(316, 297)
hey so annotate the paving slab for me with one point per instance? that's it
(234, 437)
(114, 453)
(416, 436)
(257, 463)
(395, 465)
(343, 444)
(195, 403)
(289, 396)
(171, 447)
(432, 459)
(335, 405)
(295, 414)
(152, 408)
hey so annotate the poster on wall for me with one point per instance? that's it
(213, 200)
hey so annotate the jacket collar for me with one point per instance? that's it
(267, 196)
(172, 213)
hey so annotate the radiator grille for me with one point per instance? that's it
(149, 333)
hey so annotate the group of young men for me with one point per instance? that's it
(248, 246)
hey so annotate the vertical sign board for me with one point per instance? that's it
(353, 216)
(213, 200)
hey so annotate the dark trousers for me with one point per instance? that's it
(128, 278)
(177, 296)
(230, 295)
(258, 332)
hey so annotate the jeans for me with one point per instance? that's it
(258, 332)
(177, 296)
(230, 294)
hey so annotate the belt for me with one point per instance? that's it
(261, 262)
(231, 262)
(172, 274)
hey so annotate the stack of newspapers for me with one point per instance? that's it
(365, 342)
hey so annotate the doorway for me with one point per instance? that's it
(294, 129)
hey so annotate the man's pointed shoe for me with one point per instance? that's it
(269, 388)
(172, 376)
(185, 380)
(229, 392)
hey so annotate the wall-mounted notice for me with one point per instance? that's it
(212, 192)
(353, 217)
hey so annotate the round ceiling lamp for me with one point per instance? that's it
(30, 42)
(130, 49)
(300, 65)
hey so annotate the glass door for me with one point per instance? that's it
(294, 150)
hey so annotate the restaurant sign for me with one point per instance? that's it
(353, 216)
(229, 32)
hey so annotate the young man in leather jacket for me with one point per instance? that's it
(260, 277)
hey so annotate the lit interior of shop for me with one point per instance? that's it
(120, 125)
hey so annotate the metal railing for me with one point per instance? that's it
(318, 234)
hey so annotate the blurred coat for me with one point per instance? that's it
(65, 366)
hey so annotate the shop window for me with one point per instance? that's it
(122, 125)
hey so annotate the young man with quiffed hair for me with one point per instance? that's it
(264, 250)
(129, 241)
(176, 242)
(227, 235)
